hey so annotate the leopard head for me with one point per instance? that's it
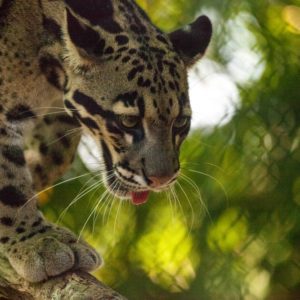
(127, 84)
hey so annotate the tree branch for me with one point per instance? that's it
(69, 286)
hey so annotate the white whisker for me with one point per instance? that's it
(69, 132)
(90, 215)
(190, 204)
(167, 193)
(178, 201)
(81, 195)
(50, 188)
(198, 192)
(117, 185)
(101, 201)
(211, 177)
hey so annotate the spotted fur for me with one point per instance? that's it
(109, 71)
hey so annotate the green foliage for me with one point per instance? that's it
(231, 230)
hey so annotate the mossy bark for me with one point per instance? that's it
(75, 285)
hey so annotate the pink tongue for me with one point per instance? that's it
(139, 197)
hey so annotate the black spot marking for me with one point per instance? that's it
(20, 230)
(14, 154)
(11, 196)
(135, 62)
(57, 158)
(109, 50)
(122, 49)
(171, 85)
(63, 140)
(4, 240)
(48, 120)
(37, 223)
(128, 99)
(22, 239)
(153, 90)
(44, 229)
(131, 75)
(6, 221)
(126, 59)
(38, 169)
(143, 83)
(20, 112)
(162, 39)
(122, 39)
(118, 57)
(32, 234)
(132, 51)
(3, 132)
(43, 149)
(53, 71)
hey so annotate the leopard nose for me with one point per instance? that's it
(159, 181)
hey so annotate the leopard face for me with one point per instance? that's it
(127, 84)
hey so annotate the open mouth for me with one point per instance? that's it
(138, 198)
(137, 195)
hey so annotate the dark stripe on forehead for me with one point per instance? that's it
(83, 37)
(91, 105)
(97, 12)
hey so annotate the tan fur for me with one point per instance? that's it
(47, 62)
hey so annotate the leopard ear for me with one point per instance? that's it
(191, 41)
(84, 38)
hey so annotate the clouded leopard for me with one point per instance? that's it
(108, 70)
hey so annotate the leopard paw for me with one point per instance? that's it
(50, 254)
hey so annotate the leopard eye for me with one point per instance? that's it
(129, 122)
(181, 122)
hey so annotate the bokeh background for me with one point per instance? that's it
(231, 228)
